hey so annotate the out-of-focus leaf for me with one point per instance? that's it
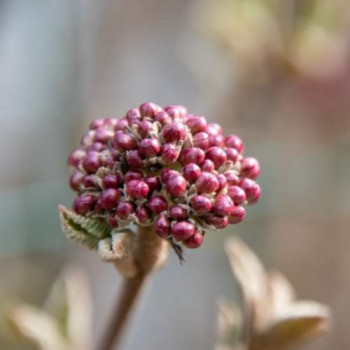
(303, 320)
(38, 326)
(247, 269)
(79, 307)
(274, 319)
(65, 321)
(281, 292)
(229, 323)
(252, 280)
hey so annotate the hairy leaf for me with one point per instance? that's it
(81, 229)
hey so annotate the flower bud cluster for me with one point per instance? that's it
(163, 167)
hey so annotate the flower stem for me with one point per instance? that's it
(129, 294)
(150, 253)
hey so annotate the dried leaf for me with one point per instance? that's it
(56, 302)
(79, 318)
(229, 323)
(303, 320)
(38, 326)
(81, 229)
(105, 251)
(274, 320)
(282, 292)
(119, 249)
(247, 269)
(252, 280)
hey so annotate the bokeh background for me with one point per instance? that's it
(275, 72)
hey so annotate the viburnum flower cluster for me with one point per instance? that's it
(163, 167)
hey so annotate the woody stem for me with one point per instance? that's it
(150, 253)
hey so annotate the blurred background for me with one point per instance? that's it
(275, 72)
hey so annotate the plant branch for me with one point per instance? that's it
(150, 253)
(131, 289)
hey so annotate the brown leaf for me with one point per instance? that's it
(298, 322)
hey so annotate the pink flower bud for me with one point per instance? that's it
(137, 189)
(153, 183)
(232, 178)
(196, 123)
(110, 122)
(208, 166)
(207, 183)
(109, 198)
(217, 221)
(112, 221)
(75, 180)
(97, 123)
(163, 118)
(103, 135)
(192, 155)
(194, 241)
(216, 141)
(124, 141)
(134, 159)
(233, 141)
(178, 212)
(133, 175)
(122, 124)
(114, 153)
(76, 157)
(201, 140)
(217, 155)
(166, 173)
(201, 204)
(251, 189)
(96, 146)
(143, 215)
(149, 110)
(89, 181)
(182, 230)
(92, 162)
(111, 181)
(174, 132)
(237, 215)
(124, 210)
(222, 182)
(109, 163)
(149, 147)
(98, 208)
(213, 129)
(170, 153)
(145, 127)
(223, 205)
(250, 168)
(88, 138)
(252, 199)
(133, 116)
(158, 204)
(162, 226)
(176, 185)
(191, 172)
(232, 154)
(237, 194)
(84, 204)
(176, 111)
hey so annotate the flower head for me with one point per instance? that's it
(163, 167)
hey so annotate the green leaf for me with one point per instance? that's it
(84, 230)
